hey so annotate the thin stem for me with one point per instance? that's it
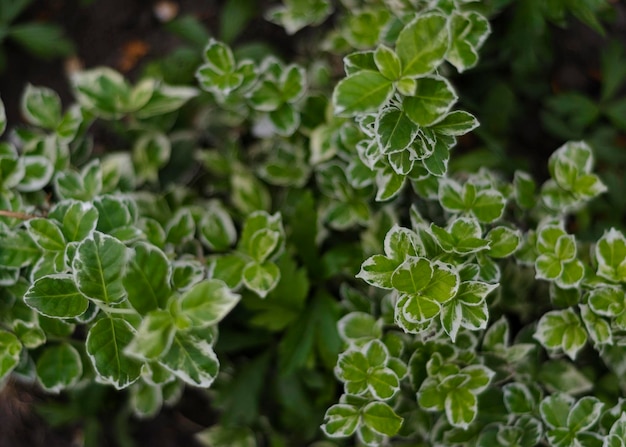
(17, 215)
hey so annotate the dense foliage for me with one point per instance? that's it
(291, 237)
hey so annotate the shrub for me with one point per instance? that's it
(300, 247)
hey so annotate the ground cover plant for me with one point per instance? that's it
(293, 240)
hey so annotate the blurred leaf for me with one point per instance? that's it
(190, 29)
(236, 14)
(42, 39)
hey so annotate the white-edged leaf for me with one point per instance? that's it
(191, 360)
(98, 267)
(105, 345)
(56, 296)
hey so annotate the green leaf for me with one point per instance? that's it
(389, 184)
(255, 223)
(394, 130)
(192, 360)
(248, 193)
(341, 420)
(106, 93)
(44, 40)
(412, 276)
(417, 309)
(98, 268)
(387, 62)
(611, 255)
(228, 268)
(295, 15)
(208, 302)
(56, 296)
(59, 367)
(381, 418)
(561, 375)
(145, 399)
(488, 205)
(266, 96)
(218, 74)
(38, 171)
(41, 107)
(456, 123)
(358, 61)
(503, 241)
(561, 329)
(261, 278)
(463, 236)
(359, 328)
(524, 189)
(461, 407)
(377, 271)
(422, 44)
(401, 242)
(555, 410)
(431, 102)
(10, 349)
(444, 283)
(154, 336)
(263, 243)
(79, 221)
(467, 309)
(584, 414)
(608, 301)
(113, 211)
(451, 195)
(520, 399)
(166, 99)
(468, 32)
(180, 228)
(363, 92)
(352, 368)
(147, 278)
(548, 267)
(150, 152)
(186, 273)
(572, 274)
(46, 233)
(292, 83)
(105, 344)
(598, 328)
(383, 383)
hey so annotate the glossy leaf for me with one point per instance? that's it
(154, 336)
(59, 367)
(422, 44)
(147, 278)
(192, 360)
(105, 344)
(208, 302)
(363, 92)
(98, 267)
(56, 296)
(432, 100)
(381, 418)
(561, 330)
(341, 420)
